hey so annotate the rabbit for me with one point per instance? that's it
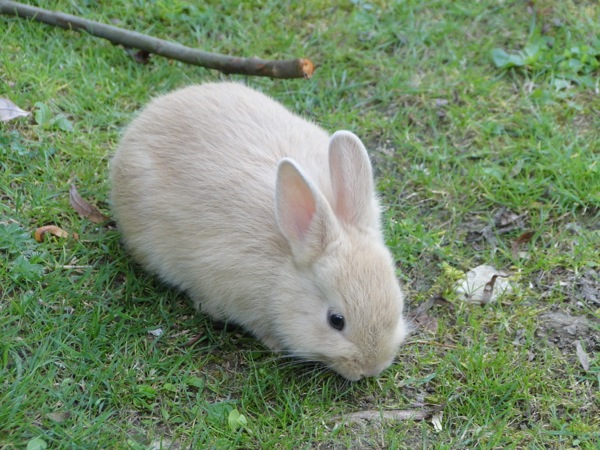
(264, 220)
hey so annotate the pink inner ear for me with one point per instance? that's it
(296, 204)
(302, 207)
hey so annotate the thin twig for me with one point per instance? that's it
(292, 68)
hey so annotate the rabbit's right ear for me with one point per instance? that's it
(303, 215)
(352, 180)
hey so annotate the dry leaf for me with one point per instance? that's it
(396, 415)
(583, 357)
(507, 220)
(58, 416)
(193, 340)
(84, 208)
(504, 221)
(156, 333)
(438, 300)
(427, 323)
(436, 421)
(9, 111)
(483, 284)
(488, 290)
(53, 230)
(520, 241)
(424, 321)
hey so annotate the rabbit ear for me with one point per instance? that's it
(302, 213)
(351, 180)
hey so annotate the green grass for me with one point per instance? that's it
(454, 139)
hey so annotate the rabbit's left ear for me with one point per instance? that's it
(352, 180)
(303, 215)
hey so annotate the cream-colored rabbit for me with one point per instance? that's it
(264, 220)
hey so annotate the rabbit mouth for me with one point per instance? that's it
(348, 368)
(355, 370)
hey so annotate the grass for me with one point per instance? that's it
(455, 139)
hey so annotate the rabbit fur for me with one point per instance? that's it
(263, 219)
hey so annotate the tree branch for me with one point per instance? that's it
(293, 68)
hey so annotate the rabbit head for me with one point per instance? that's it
(346, 310)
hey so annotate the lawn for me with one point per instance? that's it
(482, 120)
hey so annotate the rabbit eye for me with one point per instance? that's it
(336, 321)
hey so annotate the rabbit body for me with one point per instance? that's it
(264, 220)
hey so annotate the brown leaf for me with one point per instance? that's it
(488, 290)
(426, 323)
(521, 240)
(9, 111)
(438, 300)
(193, 340)
(53, 230)
(84, 208)
(583, 357)
(505, 218)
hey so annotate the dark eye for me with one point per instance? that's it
(336, 320)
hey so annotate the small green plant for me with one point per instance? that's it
(49, 121)
(575, 64)
(24, 261)
(236, 420)
(37, 444)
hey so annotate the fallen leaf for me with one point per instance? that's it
(520, 241)
(587, 286)
(488, 290)
(567, 325)
(379, 416)
(504, 221)
(9, 111)
(156, 333)
(436, 420)
(583, 357)
(193, 340)
(426, 323)
(483, 284)
(58, 416)
(41, 232)
(438, 300)
(84, 208)
(505, 218)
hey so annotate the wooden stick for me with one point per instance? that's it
(292, 68)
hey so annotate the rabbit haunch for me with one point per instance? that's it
(264, 220)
